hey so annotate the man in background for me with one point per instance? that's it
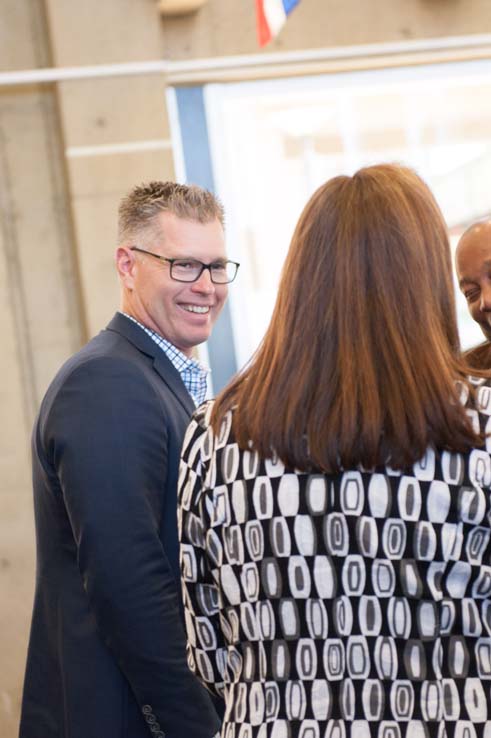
(107, 647)
(473, 265)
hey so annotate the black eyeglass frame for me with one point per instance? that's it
(203, 266)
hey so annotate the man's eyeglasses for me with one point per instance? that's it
(190, 270)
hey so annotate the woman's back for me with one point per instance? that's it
(350, 605)
(357, 603)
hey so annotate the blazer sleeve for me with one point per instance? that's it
(107, 437)
(206, 646)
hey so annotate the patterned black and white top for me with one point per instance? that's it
(356, 605)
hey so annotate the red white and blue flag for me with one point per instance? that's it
(271, 15)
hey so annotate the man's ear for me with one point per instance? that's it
(125, 265)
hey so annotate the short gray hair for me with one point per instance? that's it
(139, 208)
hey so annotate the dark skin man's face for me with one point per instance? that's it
(473, 264)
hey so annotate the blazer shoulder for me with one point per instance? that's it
(89, 375)
(101, 361)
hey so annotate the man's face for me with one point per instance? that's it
(473, 263)
(168, 307)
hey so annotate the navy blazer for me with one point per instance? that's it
(106, 655)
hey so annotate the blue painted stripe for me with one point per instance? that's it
(199, 170)
(194, 135)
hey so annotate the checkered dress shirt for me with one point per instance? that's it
(193, 373)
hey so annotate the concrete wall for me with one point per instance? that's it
(226, 27)
(41, 316)
(59, 190)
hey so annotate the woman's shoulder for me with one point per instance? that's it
(479, 356)
(475, 395)
(202, 415)
(204, 435)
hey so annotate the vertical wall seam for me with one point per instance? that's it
(16, 289)
(63, 205)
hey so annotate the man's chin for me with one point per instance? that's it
(193, 343)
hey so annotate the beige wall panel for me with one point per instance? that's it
(40, 319)
(40, 327)
(21, 50)
(106, 112)
(104, 31)
(120, 109)
(16, 591)
(98, 184)
(225, 27)
(16, 534)
(39, 235)
(125, 30)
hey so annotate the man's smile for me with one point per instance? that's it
(197, 308)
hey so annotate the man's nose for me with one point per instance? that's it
(486, 299)
(204, 283)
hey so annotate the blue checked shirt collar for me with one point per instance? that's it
(193, 373)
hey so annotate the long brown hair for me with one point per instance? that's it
(359, 363)
(479, 357)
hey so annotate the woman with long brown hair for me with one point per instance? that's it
(334, 500)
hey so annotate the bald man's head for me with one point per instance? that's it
(473, 264)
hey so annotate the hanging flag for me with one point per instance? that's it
(271, 15)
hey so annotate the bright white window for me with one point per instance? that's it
(273, 143)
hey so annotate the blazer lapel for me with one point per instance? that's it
(162, 365)
(173, 380)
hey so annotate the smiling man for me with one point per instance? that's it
(107, 649)
(473, 265)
